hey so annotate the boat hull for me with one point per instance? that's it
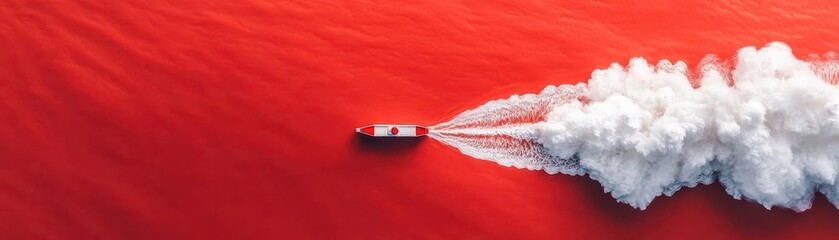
(392, 130)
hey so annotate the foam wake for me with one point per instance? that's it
(766, 128)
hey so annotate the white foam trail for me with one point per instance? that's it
(768, 130)
(504, 131)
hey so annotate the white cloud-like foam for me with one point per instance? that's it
(768, 130)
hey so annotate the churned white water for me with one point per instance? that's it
(765, 125)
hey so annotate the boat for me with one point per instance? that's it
(393, 130)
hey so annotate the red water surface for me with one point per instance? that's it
(235, 119)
